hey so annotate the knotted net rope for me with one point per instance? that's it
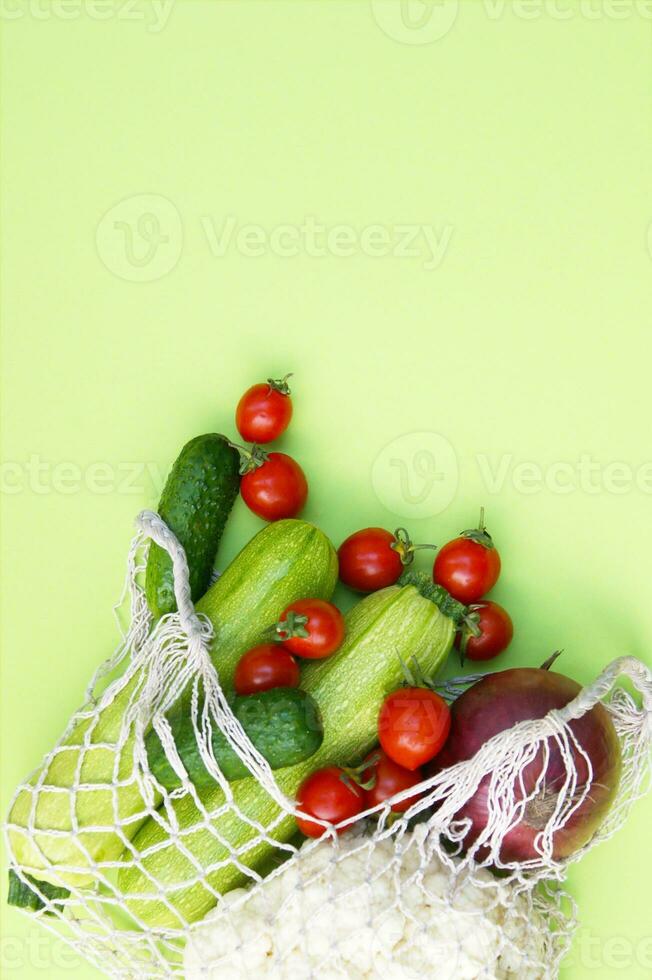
(397, 896)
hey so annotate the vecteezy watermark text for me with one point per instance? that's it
(417, 22)
(153, 14)
(140, 239)
(613, 955)
(43, 477)
(37, 950)
(416, 475)
(316, 239)
(584, 475)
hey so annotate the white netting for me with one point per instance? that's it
(177, 882)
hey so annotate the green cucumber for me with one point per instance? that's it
(285, 561)
(21, 895)
(383, 630)
(283, 724)
(195, 504)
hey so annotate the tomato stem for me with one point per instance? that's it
(280, 384)
(479, 534)
(250, 459)
(413, 676)
(355, 774)
(470, 628)
(404, 546)
(464, 641)
(293, 625)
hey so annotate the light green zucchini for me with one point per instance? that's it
(285, 561)
(382, 630)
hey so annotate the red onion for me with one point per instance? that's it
(498, 702)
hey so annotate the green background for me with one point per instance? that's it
(518, 134)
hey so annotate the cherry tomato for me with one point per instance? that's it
(369, 560)
(264, 667)
(264, 411)
(311, 628)
(468, 566)
(330, 795)
(275, 488)
(374, 558)
(388, 780)
(496, 633)
(413, 725)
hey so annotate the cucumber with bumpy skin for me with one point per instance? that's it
(22, 895)
(383, 631)
(195, 504)
(283, 724)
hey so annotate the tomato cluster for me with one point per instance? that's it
(468, 566)
(414, 721)
(413, 726)
(273, 485)
(338, 795)
(309, 628)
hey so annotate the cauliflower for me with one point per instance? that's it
(366, 909)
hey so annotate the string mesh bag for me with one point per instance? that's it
(149, 882)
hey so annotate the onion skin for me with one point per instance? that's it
(498, 702)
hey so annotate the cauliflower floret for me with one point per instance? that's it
(367, 909)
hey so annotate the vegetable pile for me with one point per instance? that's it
(159, 798)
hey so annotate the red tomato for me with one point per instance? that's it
(496, 633)
(311, 628)
(413, 725)
(388, 780)
(368, 560)
(275, 489)
(264, 411)
(264, 667)
(373, 558)
(330, 795)
(468, 566)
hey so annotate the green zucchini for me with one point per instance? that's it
(284, 724)
(285, 561)
(195, 504)
(384, 629)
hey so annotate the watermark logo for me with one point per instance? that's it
(140, 238)
(416, 475)
(415, 21)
